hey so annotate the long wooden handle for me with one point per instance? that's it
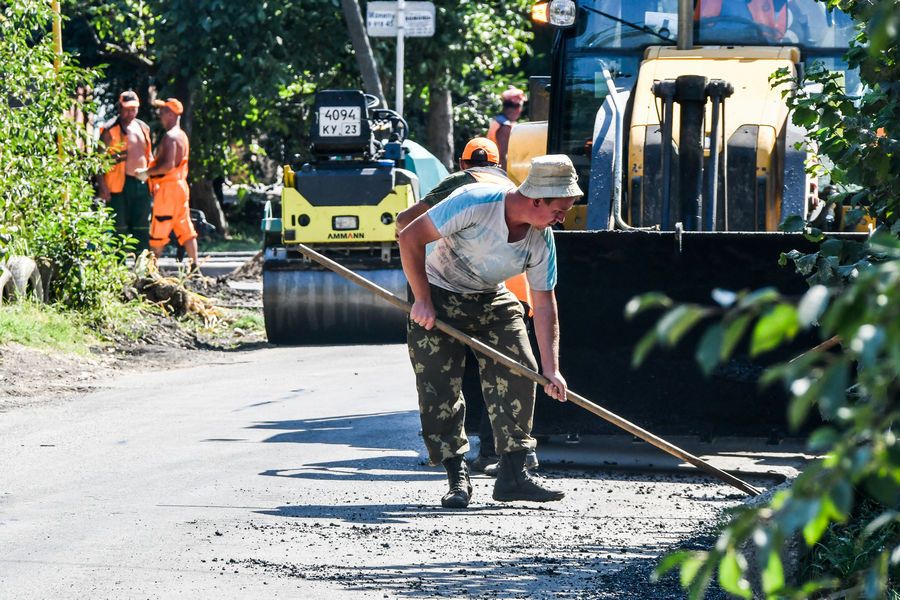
(533, 375)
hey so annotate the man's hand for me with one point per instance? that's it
(103, 194)
(142, 174)
(423, 314)
(556, 388)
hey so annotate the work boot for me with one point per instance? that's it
(482, 463)
(460, 487)
(531, 463)
(514, 482)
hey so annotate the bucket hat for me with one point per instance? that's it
(551, 176)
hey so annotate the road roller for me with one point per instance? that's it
(343, 203)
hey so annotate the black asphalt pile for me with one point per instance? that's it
(250, 270)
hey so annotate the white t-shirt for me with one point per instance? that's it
(474, 256)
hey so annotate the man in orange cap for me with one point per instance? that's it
(479, 162)
(168, 178)
(502, 124)
(127, 140)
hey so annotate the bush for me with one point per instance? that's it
(47, 161)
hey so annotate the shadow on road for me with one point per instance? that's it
(365, 469)
(382, 513)
(389, 430)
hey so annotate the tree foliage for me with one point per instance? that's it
(47, 161)
(247, 71)
(474, 53)
(853, 378)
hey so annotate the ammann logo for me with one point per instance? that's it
(347, 236)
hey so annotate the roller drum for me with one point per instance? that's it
(312, 306)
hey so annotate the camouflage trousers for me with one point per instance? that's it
(497, 319)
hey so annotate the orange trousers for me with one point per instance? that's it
(171, 212)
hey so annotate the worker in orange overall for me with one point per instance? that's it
(168, 179)
(502, 124)
(127, 140)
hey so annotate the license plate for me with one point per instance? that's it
(339, 121)
(344, 223)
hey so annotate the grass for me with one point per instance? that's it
(243, 237)
(45, 327)
(844, 551)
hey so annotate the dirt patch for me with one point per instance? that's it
(31, 376)
(26, 373)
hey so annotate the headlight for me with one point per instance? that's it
(562, 13)
(345, 223)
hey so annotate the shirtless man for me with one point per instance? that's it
(168, 179)
(127, 140)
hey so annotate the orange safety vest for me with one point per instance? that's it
(489, 177)
(118, 149)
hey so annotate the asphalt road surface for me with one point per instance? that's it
(299, 473)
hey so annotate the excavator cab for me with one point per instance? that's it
(690, 162)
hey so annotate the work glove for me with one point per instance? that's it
(142, 174)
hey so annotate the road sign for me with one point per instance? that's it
(381, 19)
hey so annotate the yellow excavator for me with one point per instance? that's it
(689, 162)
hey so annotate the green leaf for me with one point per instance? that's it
(669, 562)
(760, 297)
(731, 576)
(867, 343)
(643, 348)
(880, 521)
(842, 499)
(832, 389)
(724, 298)
(690, 567)
(733, 334)
(812, 305)
(831, 247)
(639, 304)
(709, 348)
(679, 321)
(805, 117)
(821, 439)
(773, 574)
(794, 223)
(778, 324)
(815, 527)
(882, 488)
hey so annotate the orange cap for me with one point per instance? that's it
(489, 148)
(129, 99)
(172, 104)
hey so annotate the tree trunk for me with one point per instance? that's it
(440, 125)
(203, 197)
(362, 49)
